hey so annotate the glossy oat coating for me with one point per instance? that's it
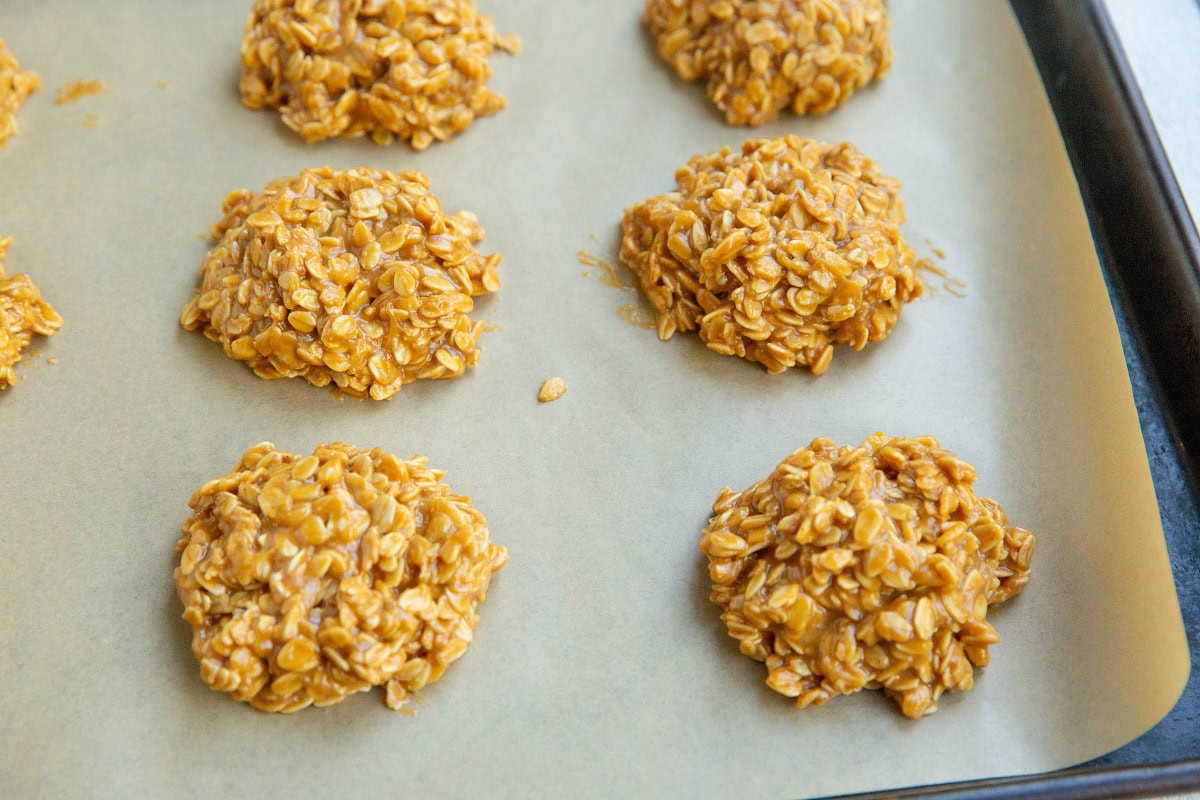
(759, 57)
(353, 277)
(415, 70)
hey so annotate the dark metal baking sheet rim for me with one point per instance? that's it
(1150, 252)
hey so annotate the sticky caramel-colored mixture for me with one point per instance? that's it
(551, 390)
(759, 57)
(612, 277)
(604, 272)
(71, 91)
(777, 253)
(636, 316)
(867, 567)
(353, 277)
(15, 86)
(951, 284)
(308, 579)
(23, 313)
(416, 70)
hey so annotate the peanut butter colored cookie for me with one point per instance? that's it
(869, 567)
(308, 579)
(353, 277)
(759, 57)
(415, 70)
(777, 253)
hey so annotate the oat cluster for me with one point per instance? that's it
(759, 57)
(352, 277)
(23, 313)
(308, 579)
(865, 567)
(15, 86)
(777, 253)
(416, 70)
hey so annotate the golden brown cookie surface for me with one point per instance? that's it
(865, 567)
(777, 253)
(353, 277)
(416, 70)
(308, 579)
(759, 57)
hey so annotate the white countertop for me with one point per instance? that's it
(1161, 39)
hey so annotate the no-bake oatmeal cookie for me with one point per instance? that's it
(775, 253)
(23, 313)
(415, 70)
(15, 86)
(869, 567)
(308, 579)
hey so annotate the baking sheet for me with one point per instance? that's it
(599, 667)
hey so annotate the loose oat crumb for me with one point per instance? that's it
(416, 71)
(161, 85)
(72, 91)
(759, 57)
(23, 313)
(52, 361)
(308, 579)
(352, 277)
(551, 390)
(777, 253)
(15, 86)
(867, 567)
(91, 121)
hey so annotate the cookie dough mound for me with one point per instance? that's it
(762, 56)
(354, 277)
(15, 86)
(408, 69)
(23, 313)
(308, 579)
(777, 253)
(865, 567)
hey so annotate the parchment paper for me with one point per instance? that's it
(599, 668)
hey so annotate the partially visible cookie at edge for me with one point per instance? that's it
(15, 86)
(23, 313)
